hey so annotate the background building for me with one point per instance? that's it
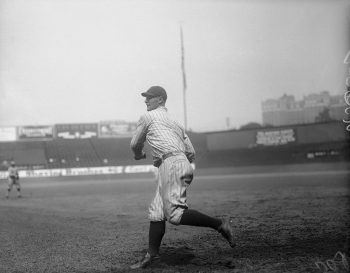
(312, 108)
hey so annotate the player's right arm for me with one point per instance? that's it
(138, 140)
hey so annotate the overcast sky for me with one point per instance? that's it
(77, 61)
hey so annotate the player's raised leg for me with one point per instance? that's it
(192, 217)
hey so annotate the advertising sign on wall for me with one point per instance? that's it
(110, 129)
(275, 137)
(35, 132)
(76, 131)
(7, 133)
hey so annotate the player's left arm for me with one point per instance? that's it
(138, 140)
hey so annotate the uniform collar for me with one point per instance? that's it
(161, 108)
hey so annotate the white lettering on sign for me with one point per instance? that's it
(278, 137)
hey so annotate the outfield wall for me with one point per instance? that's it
(277, 145)
(81, 171)
(278, 136)
(323, 132)
(85, 171)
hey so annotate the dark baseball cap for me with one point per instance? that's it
(155, 91)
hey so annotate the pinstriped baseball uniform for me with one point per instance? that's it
(166, 137)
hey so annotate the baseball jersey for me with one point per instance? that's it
(162, 133)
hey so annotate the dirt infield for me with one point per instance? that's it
(286, 219)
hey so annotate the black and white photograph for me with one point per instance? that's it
(204, 136)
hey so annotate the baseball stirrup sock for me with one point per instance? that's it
(192, 217)
(155, 236)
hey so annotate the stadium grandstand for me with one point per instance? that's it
(47, 147)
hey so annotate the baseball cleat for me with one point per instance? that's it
(227, 232)
(146, 261)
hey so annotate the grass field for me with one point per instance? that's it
(285, 219)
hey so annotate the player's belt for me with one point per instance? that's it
(158, 161)
(167, 155)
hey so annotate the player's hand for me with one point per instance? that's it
(138, 157)
(157, 162)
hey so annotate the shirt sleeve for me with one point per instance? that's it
(139, 138)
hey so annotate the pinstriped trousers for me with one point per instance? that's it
(175, 174)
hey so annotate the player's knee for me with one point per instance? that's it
(175, 216)
(174, 221)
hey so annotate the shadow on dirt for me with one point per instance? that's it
(177, 256)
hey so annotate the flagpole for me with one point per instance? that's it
(183, 78)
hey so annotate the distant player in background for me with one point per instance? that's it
(173, 154)
(13, 180)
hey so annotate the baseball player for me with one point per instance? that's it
(173, 154)
(13, 180)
